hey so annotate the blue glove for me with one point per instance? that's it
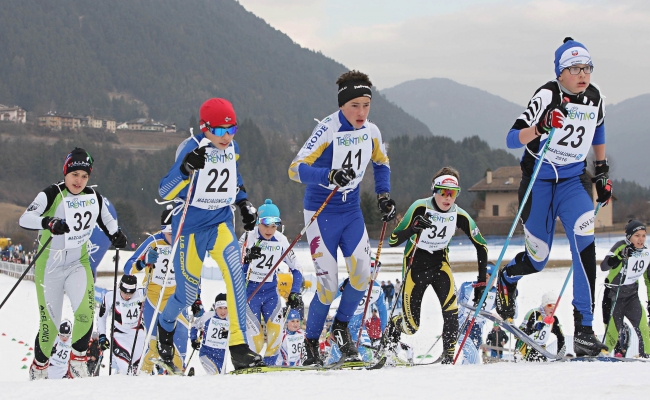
(103, 342)
(539, 325)
(151, 257)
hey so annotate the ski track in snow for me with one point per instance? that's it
(19, 321)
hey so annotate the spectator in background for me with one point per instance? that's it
(389, 293)
(133, 246)
(373, 327)
(496, 338)
(398, 287)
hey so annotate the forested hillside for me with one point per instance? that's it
(163, 58)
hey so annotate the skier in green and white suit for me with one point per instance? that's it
(67, 212)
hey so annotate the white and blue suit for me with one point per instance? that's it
(562, 190)
(336, 144)
(465, 295)
(214, 342)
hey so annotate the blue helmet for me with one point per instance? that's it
(268, 213)
(491, 268)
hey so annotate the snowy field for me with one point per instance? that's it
(19, 319)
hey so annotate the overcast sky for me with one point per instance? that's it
(505, 47)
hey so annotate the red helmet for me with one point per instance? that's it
(215, 112)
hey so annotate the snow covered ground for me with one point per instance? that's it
(18, 323)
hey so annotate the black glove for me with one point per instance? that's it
(419, 223)
(603, 183)
(55, 225)
(553, 117)
(295, 301)
(103, 342)
(387, 206)
(196, 344)
(248, 214)
(118, 239)
(479, 288)
(193, 160)
(341, 177)
(253, 253)
(197, 308)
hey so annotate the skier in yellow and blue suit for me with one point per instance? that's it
(208, 226)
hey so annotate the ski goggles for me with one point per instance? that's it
(446, 192)
(269, 221)
(222, 131)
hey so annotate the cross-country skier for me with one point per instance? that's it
(535, 327)
(214, 327)
(465, 295)
(628, 258)
(335, 158)
(429, 225)
(208, 226)
(128, 304)
(60, 360)
(264, 246)
(562, 188)
(154, 257)
(293, 341)
(67, 213)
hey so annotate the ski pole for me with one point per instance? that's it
(372, 281)
(529, 189)
(204, 142)
(110, 357)
(99, 363)
(618, 290)
(548, 320)
(302, 232)
(189, 359)
(47, 242)
(135, 340)
(430, 348)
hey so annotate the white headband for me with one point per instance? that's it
(448, 181)
(220, 303)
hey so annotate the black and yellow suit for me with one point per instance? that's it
(432, 267)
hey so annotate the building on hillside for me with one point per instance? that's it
(498, 201)
(56, 121)
(98, 123)
(148, 125)
(13, 114)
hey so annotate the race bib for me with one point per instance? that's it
(636, 266)
(130, 311)
(216, 335)
(163, 264)
(258, 268)
(374, 296)
(294, 346)
(216, 186)
(571, 143)
(62, 355)
(81, 212)
(352, 149)
(541, 337)
(439, 235)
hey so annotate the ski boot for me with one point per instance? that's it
(312, 353)
(243, 357)
(342, 338)
(393, 334)
(506, 299)
(78, 364)
(448, 355)
(165, 345)
(38, 370)
(585, 343)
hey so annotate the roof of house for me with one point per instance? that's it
(504, 179)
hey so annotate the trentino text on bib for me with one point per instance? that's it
(571, 144)
(352, 149)
(81, 212)
(438, 236)
(216, 186)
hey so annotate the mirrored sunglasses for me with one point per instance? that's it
(446, 192)
(222, 131)
(270, 221)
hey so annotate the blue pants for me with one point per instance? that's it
(570, 200)
(223, 247)
(329, 232)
